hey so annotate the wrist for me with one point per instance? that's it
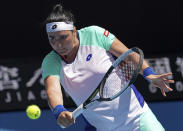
(57, 110)
(148, 71)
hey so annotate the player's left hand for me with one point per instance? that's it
(161, 81)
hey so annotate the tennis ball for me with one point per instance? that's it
(33, 112)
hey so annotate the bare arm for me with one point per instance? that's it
(54, 92)
(117, 48)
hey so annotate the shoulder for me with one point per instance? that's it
(93, 28)
(96, 36)
(51, 57)
(91, 33)
(51, 65)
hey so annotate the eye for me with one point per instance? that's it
(50, 37)
(63, 37)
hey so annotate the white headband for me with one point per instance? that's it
(59, 26)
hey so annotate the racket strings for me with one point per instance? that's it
(129, 66)
(120, 77)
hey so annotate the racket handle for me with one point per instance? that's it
(77, 111)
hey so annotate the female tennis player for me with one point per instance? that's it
(78, 62)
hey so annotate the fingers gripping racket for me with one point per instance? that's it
(126, 69)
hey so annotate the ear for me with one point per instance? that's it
(74, 30)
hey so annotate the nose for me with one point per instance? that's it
(59, 45)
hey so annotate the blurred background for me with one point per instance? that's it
(154, 26)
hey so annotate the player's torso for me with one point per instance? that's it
(81, 77)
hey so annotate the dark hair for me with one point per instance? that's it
(59, 14)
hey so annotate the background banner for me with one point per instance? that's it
(21, 83)
(161, 65)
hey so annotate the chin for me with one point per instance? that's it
(63, 53)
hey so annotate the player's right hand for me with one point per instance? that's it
(65, 119)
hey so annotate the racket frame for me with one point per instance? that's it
(79, 110)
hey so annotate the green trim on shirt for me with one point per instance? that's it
(94, 36)
(51, 65)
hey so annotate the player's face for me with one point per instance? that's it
(63, 42)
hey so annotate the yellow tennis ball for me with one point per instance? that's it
(33, 112)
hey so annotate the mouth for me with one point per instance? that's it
(62, 51)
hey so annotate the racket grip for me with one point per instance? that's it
(77, 111)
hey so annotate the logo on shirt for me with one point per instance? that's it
(106, 33)
(89, 57)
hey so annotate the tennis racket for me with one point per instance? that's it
(127, 67)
